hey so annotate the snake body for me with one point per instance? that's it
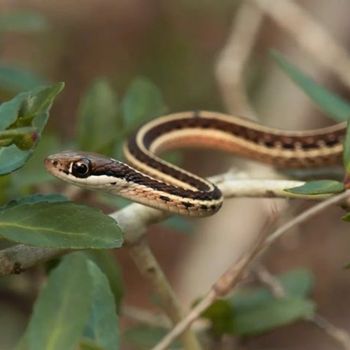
(152, 181)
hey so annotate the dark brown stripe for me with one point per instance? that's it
(270, 140)
(120, 170)
(179, 175)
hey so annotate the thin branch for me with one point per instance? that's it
(230, 279)
(339, 335)
(270, 281)
(226, 281)
(310, 35)
(234, 56)
(306, 215)
(144, 316)
(260, 188)
(20, 257)
(134, 219)
(148, 266)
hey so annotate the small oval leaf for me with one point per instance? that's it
(102, 325)
(142, 101)
(63, 306)
(36, 198)
(33, 111)
(9, 110)
(270, 315)
(346, 155)
(98, 117)
(59, 225)
(318, 187)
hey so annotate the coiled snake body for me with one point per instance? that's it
(154, 182)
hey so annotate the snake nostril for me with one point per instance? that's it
(54, 162)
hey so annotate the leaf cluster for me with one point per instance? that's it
(78, 306)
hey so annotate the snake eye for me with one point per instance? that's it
(81, 168)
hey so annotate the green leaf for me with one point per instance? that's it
(296, 283)
(39, 102)
(36, 198)
(318, 187)
(142, 102)
(17, 79)
(331, 104)
(63, 306)
(220, 315)
(346, 217)
(77, 296)
(22, 21)
(86, 344)
(33, 172)
(346, 153)
(145, 337)
(9, 110)
(234, 315)
(102, 325)
(108, 264)
(23, 343)
(98, 117)
(59, 225)
(270, 315)
(5, 189)
(34, 111)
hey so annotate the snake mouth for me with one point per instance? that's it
(58, 164)
(52, 164)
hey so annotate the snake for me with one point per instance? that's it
(150, 180)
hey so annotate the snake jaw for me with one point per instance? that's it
(67, 166)
(54, 165)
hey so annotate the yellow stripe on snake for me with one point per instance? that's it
(154, 182)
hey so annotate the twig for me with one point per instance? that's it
(234, 56)
(150, 269)
(145, 316)
(134, 220)
(276, 288)
(306, 215)
(234, 273)
(273, 284)
(341, 336)
(260, 188)
(20, 257)
(310, 35)
(227, 281)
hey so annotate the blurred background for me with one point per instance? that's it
(198, 55)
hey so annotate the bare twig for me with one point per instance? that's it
(306, 215)
(226, 282)
(145, 316)
(310, 35)
(20, 257)
(234, 273)
(134, 220)
(264, 276)
(150, 269)
(234, 57)
(337, 334)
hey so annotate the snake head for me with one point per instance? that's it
(86, 169)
